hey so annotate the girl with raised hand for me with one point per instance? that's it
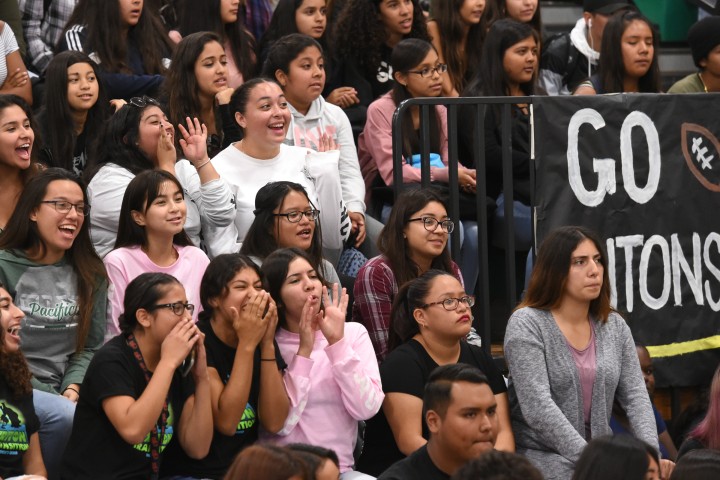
(628, 57)
(457, 29)
(151, 238)
(285, 218)
(364, 35)
(297, 62)
(128, 41)
(523, 11)
(139, 137)
(332, 377)
(137, 398)
(239, 320)
(224, 18)
(430, 319)
(197, 86)
(48, 265)
(570, 355)
(17, 458)
(262, 111)
(17, 162)
(75, 111)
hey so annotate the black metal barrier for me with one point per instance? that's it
(483, 319)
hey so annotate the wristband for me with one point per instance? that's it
(268, 360)
(72, 389)
(205, 163)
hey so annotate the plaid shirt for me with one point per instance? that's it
(375, 289)
(42, 29)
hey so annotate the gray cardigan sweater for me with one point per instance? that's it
(546, 403)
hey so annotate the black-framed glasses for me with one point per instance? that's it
(142, 102)
(431, 224)
(451, 303)
(296, 216)
(429, 72)
(177, 308)
(63, 206)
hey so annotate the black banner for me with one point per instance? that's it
(644, 172)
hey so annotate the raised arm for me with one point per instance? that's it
(196, 427)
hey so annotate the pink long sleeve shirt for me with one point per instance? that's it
(330, 391)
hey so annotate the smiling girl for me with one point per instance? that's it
(261, 110)
(48, 265)
(458, 29)
(332, 377)
(628, 59)
(239, 320)
(139, 137)
(197, 87)
(17, 162)
(17, 457)
(151, 238)
(75, 110)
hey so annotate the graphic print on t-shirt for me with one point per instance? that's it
(13, 431)
(144, 446)
(247, 421)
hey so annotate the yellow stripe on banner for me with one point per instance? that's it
(681, 348)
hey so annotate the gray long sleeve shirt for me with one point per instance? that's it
(545, 392)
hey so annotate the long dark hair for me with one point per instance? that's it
(490, 79)
(358, 32)
(118, 143)
(497, 10)
(22, 235)
(59, 133)
(141, 192)
(218, 274)
(611, 67)
(407, 55)
(10, 100)
(549, 276)
(180, 86)
(261, 239)
(102, 22)
(275, 269)
(411, 296)
(391, 241)
(143, 292)
(283, 23)
(204, 16)
(462, 59)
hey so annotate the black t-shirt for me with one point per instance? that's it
(96, 449)
(406, 370)
(418, 466)
(17, 423)
(223, 449)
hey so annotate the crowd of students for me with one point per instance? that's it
(179, 197)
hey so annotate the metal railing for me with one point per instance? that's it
(480, 104)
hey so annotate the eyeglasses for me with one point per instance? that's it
(64, 207)
(144, 101)
(294, 217)
(451, 304)
(429, 72)
(431, 224)
(177, 308)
